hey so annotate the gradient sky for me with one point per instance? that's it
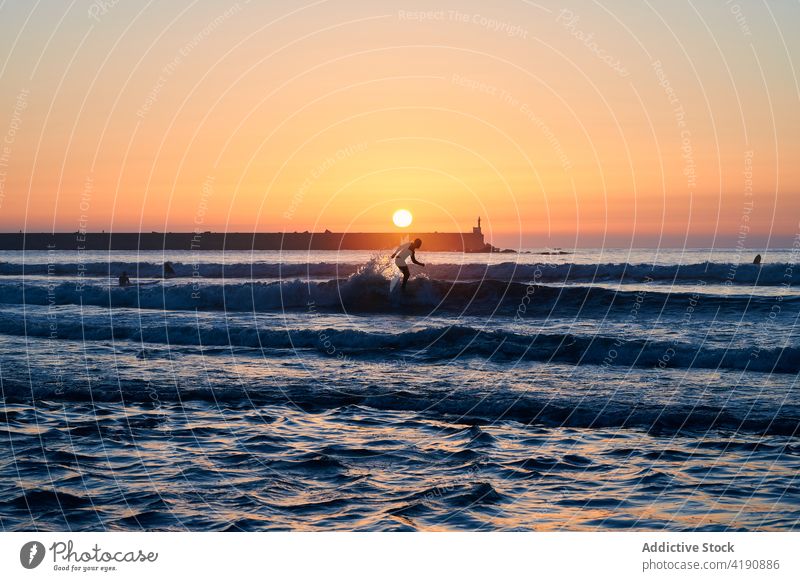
(561, 124)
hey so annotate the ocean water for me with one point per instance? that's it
(587, 390)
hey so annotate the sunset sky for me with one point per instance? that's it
(561, 124)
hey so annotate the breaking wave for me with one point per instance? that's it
(367, 293)
(430, 344)
(706, 272)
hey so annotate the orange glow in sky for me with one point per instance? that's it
(560, 125)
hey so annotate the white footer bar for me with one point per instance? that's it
(400, 556)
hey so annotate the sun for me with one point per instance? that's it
(402, 218)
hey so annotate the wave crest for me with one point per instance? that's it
(706, 272)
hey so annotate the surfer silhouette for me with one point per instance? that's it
(124, 280)
(404, 251)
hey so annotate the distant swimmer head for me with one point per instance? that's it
(417, 243)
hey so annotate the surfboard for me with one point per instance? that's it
(394, 282)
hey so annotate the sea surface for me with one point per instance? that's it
(548, 390)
